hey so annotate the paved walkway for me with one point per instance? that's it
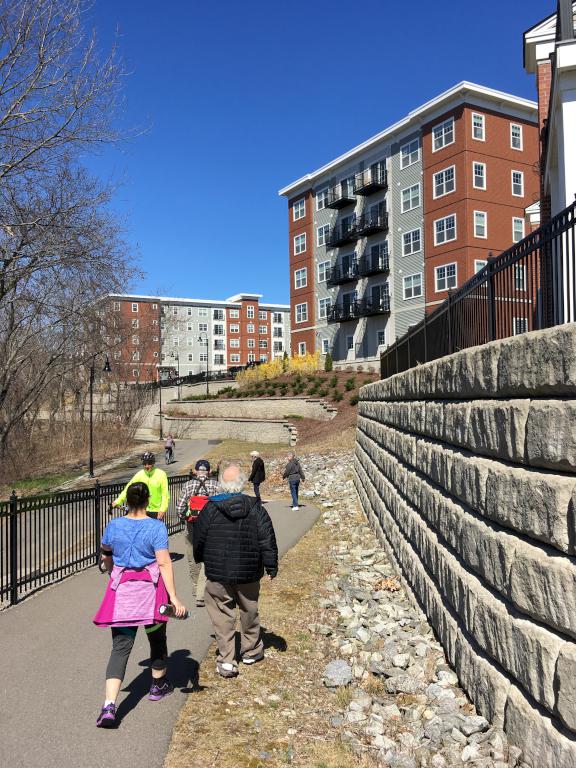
(54, 661)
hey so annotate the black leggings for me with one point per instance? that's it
(123, 641)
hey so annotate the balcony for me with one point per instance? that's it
(374, 262)
(342, 312)
(367, 307)
(341, 195)
(371, 180)
(342, 233)
(372, 222)
(343, 274)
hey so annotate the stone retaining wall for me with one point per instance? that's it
(232, 429)
(261, 408)
(466, 467)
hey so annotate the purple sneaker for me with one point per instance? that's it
(160, 690)
(107, 718)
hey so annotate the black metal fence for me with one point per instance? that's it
(529, 287)
(48, 537)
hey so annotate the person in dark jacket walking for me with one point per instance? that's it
(293, 473)
(258, 474)
(235, 540)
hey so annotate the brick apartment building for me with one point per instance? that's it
(380, 234)
(194, 335)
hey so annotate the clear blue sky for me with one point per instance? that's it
(241, 98)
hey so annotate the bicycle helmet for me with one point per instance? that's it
(148, 458)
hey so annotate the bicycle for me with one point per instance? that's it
(169, 455)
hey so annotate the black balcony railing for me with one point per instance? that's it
(370, 180)
(371, 222)
(367, 306)
(341, 195)
(342, 233)
(529, 287)
(343, 274)
(342, 312)
(373, 264)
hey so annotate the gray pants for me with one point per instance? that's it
(197, 573)
(221, 603)
(123, 641)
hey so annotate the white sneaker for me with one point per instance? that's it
(295, 509)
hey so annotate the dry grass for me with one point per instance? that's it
(231, 723)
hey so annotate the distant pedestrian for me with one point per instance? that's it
(192, 501)
(135, 553)
(156, 480)
(169, 449)
(294, 474)
(235, 540)
(258, 474)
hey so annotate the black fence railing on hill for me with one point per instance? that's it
(529, 287)
(48, 537)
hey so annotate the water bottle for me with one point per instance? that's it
(167, 609)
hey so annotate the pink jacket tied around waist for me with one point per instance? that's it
(132, 598)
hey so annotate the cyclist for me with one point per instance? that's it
(157, 482)
(169, 447)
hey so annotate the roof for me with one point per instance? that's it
(233, 301)
(542, 32)
(415, 117)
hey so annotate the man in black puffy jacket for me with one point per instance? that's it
(235, 540)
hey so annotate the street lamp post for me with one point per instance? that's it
(160, 394)
(105, 369)
(176, 356)
(203, 340)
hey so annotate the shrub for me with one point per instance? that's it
(353, 400)
(367, 381)
(328, 362)
(322, 392)
(337, 396)
(350, 384)
(334, 381)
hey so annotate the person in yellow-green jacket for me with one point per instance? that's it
(157, 482)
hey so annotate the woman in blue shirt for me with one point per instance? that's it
(135, 553)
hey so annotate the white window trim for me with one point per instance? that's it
(521, 147)
(453, 134)
(296, 237)
(416, 229)
(412, 162)
(434, 195)
(452, 239)
(479, 114)
(512, 172)
(294, 204)
(321, 227)
(304, 319)
(477, 162)
(477, 269)
(410, 298)
(413, 208)
(326, 261)
(485, 214)
(301, 348)
(443, 266)
(324, 299)
(305, 283)
(317, 198)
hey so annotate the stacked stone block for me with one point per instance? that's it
(466, 466)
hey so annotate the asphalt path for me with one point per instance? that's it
(54, 663)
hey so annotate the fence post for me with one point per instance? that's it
(450, 335)
(97, 521)
(396, 351)
(13, 534)
(409, 355)
(425, 338)
(490, 299)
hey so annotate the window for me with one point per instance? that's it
(517, 183)
(175, 311)
(445, 277)
(136, 355)
(443, 134)
(135, 340)
(189, 327)
(251, 357)
(299, 244)
(250, 312)
(175, 341)
(154, 306)
(189, 311)
(218, 330)
(479, 175)
(278, 346)
(116, 306)
(409, 153)
(479, 264)
(278, 333)
(250, 328)
(135, 373)
(263, 343)
(251, 343)
(154, 338)
(301, 313)
(203, 357)
(302, 348)
(323, 271)
(134, 307)
(299, 210)
(218, 359)
(322, 234)
(235, 358)
(262, 314)
(234, 343)
(135, 323)
(410, 198)
(480, 224)
(517, 229)
(218, 343)
(324, 346)
(234, 328)
(202, 311)
(445, 229)
(117, 355)
(520, 277)
(263, 330)
(203, 327)
(349, 342)
(218, 314)
(381, 338)
(478, 127)
(519, 325)
(277, 317)
(411, 242)
(190, 357)
(321, 199)
(301, 277)
(413, 286)
(233, 313)
(444, 182)
(323, 308)
(155, 354)
(155, 322)
(516, 140)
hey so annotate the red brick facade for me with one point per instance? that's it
(302, 332)
(136, 342)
